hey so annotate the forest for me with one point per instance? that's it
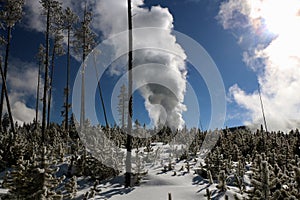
(75, 159)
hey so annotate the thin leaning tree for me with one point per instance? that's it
(96, 53)
(6, 98)
(51, 10)
(40, 57)
(11, 12)
(85, 41)
(70, 18)
(57, 50)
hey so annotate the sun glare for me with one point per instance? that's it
(279, 16)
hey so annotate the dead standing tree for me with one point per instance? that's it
(130, 103)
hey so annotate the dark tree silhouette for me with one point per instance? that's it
(11, 12)
(130, 104)
(69, 20)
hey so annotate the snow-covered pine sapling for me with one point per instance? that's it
(222, 181)
(157, 156)
(297, 178)
(139, 163)
(239, 183)
(28, 181)
(71, 188)
(265, 180)
(118, 157)
(229, 164)
(61, 152)
(261, 182)
(273, 157)
(187, 166)
(240, 169)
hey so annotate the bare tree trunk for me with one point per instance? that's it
(37, 98)
(67, 88)
(8, 37)
(130, 103)
(46, 76)
(82, 111)
(262, 108)
(7, 99)
(123, 112)
(50, 87)
(100, 92)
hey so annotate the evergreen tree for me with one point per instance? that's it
(11, 12)
(28, 180)
(262, 182)
(222, 181)
(297, 179)
(52, 11)
(69, 20)
(71, 187)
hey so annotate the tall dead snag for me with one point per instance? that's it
(51, 9)
(130, 103)
(69, 20)
(85, 41)
(41, 57)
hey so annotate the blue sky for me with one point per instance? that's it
(196, 19)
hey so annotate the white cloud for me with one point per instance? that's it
(276, 60)
(32, 18)
(22, 86)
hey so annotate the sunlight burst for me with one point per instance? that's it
(278, 16)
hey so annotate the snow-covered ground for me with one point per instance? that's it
(157, 184)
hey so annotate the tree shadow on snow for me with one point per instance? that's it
(198, 180)
(218, 196)
(115, 187)
(115, 191)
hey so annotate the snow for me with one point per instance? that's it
(157, 184)
(3, 192)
